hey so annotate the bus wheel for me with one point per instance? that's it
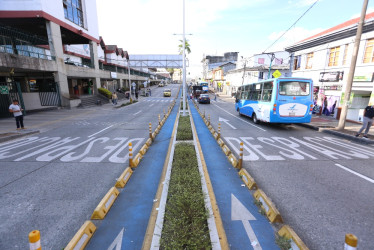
(255, 120)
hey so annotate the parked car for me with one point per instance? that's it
(204, 98)
(167, 92)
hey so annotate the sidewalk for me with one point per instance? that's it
(37, 122)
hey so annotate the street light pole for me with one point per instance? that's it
(128, 67)
(348, 87)
(245, 64)
(184, 62)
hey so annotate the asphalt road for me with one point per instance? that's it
(53, 181)
(321, 184)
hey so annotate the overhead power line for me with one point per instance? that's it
(291, 26)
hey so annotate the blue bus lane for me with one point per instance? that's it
(125, 225)
(245, 227)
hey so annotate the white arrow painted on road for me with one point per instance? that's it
(117, 243)
(226, 121)
(240, 212)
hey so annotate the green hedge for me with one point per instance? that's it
(185, 224)
(105, 92)
(184, 131)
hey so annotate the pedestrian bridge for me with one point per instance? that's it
(156, 61)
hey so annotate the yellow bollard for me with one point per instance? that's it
(130, 155)
(164, 113)
(150, 130)
(350, 242)
(34, 240)
(219, 131)
(208, 120)
(241, 156)
(159, 120)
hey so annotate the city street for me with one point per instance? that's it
(321, 184)
(53, 181)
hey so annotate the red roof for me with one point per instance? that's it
(339, 27)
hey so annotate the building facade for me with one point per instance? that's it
(51, 55)
(326, 58)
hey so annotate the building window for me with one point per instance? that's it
(345, 54)
(73, 11)
(334, 56)
(369, 53)
(309, 60)
(296, 62)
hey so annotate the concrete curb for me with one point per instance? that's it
(336, 133)
(18, 135)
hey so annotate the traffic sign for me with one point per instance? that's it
(277, 74)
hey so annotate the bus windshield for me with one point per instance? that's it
(294, 88)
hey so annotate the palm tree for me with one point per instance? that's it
(187, 47)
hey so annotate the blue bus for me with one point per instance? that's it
(277, 100)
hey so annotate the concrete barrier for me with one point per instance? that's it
(82, 237)
(271, 211)
(296, 242)
(226, 150)
(153, 135)
(105, 204)
(149, 142)
(220, 142)
(215, 135)
(248, 179)
(136, 160)
(143, 149)
(233, 160)
(124, 178)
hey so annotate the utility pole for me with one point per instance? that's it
(184, 62)
(348, 87)
(245, 64)
(271, 60)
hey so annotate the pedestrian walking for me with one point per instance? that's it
(367, 121)
(114, 98)
(150, 93)
(215, 96)
(136, 95)
(17, 112)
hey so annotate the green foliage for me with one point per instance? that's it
(185, 225)
(184, 131)
(182, 106)
(105, 92)
(186, 47)
(283, 242)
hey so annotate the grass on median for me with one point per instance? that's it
(185, 224)
(184, 129)
(181, 107)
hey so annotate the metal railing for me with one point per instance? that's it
(28, 53)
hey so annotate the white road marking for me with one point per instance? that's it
(240, 212)
(100, 131)
(240, 118)
(138, 112)
(226, 121)
(151, 105)
(117, 243)
(355, 173)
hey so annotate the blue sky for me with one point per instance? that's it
(218, 26)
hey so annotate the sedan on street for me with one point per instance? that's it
(167, 92)
(204, 98)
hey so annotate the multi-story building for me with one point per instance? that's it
(211, 62)
(256, 68)
(51, 54)
(326, 58)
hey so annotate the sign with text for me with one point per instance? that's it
(335, 76)
(368, 77)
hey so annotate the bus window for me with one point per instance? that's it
(294, 88)
(267, 91)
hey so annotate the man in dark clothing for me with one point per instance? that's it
(367, 121)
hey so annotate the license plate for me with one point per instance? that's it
(292, 114)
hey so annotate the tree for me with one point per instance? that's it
(187, 47)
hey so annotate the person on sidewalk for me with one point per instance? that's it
(17, 112)
(368, 121)
(114, 98)
(136, 95)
